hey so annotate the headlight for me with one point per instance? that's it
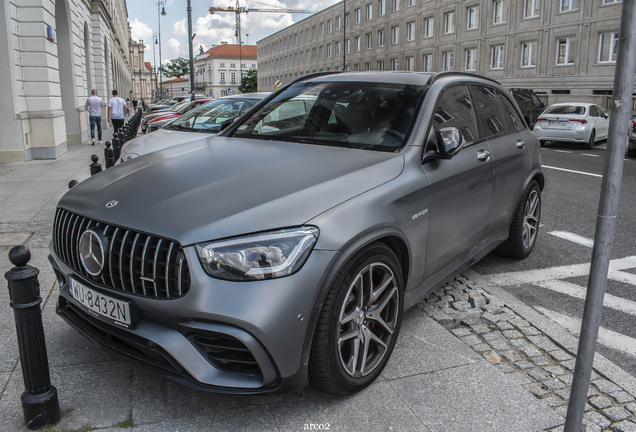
(260, 256)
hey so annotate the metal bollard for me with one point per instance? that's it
(40, 404)
(96, 167)
(109, 156)
(116, 146)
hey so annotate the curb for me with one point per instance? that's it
(555, 332)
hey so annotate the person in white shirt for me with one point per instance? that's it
(116, 106)
(94, 106)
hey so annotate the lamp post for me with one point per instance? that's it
(161, 11)
(344, 35)
(155, 37)
(190, 37)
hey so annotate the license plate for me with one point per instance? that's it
(558, 123)
(100, 305)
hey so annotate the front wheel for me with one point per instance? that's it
(359, 322)
(525, 224)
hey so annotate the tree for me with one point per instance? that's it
(176, 68)
(249, 84)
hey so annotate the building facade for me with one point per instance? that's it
(563, 48)
(144, 79)
(176, 87)
(220, 69)
(54, 52)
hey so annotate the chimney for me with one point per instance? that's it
(223, 43)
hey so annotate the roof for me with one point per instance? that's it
(176, 80)
(148, 66)
(232, 50)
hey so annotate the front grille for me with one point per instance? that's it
(136, 263)
(226, 352)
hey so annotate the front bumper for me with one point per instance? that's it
(268, 320)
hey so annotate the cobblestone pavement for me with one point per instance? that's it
(522, 352)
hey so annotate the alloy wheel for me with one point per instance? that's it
(530, 219)
(368, 319)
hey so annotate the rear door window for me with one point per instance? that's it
(455, 109)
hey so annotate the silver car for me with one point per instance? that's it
(580, 123)
(286, 249)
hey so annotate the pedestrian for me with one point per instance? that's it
(135, 104)
(143, 104)
(94, 106)
(116, 106)
(129, 105)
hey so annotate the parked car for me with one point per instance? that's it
(631, 145)
(530, 104)
(581, 123)
(157, 121)
(165, 104)
(206, 118)
(286, 249)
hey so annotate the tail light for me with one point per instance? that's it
(542, 119)
(582, 121)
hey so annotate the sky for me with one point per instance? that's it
(209, 29)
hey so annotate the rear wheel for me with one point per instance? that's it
(525, 224)
(590, 143)
(359, 322)
(542, 143)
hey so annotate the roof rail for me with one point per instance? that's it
(314, 75)
(439, 75)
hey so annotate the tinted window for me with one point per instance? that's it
(537, 102)
(516, 121)
(489, 111)
(566, 109)
(209, 116)
(455, 109)
(361, 115)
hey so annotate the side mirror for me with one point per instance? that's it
(544, 104)
(442, 144)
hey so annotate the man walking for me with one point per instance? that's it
(135, 103)
(116, 106)
(94, 106)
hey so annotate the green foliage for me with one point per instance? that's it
(128, 423)
(176, 68)
(249, 84)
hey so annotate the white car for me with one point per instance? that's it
(581, 123)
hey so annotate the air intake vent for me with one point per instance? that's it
(226, 352)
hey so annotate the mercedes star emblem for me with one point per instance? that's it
(111, 204)
(91, 251)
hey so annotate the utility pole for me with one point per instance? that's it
(606, 219)
(190, 37)
(344, 35)
(160, 3)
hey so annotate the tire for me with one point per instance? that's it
(369, 320)
(542, 143)
(631, 152)
(524, 228)
(590, 144)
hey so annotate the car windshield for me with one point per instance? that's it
(361, 115)
(209, 117)
(185, 107)
(566, 109)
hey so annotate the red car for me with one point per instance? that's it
(157, 122)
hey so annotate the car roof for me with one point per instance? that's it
(572, 104)
(255, 95)
(397, 77)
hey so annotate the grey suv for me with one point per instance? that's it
(285, 249)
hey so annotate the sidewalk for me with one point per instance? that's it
(469, 358)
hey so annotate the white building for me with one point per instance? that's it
(143, 76)
(176, 87)
(221, 68)
(52, 53)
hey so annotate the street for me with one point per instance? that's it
(553, 279)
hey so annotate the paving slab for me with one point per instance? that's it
(424, 346)
(489, 401)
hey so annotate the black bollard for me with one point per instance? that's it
(116, 146)
(40, 405)
(72, 184)
(96, 167)
(109, 156)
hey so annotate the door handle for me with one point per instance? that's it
(483, 155)
(521, 144)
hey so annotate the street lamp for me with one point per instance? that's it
(160, 4)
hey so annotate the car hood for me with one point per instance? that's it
(221, 187)
(159, 140)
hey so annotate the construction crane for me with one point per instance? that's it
(238, 10)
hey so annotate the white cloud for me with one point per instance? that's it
(174, 46)
(139, 30)
(179, 28)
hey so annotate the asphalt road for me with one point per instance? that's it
(569, 208)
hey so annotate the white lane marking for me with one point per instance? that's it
(573, 290)
(608, 338)
(564, 272)
(573, 238)
(572, 171)
(624, 277)
(563, 151)
(592, 155)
